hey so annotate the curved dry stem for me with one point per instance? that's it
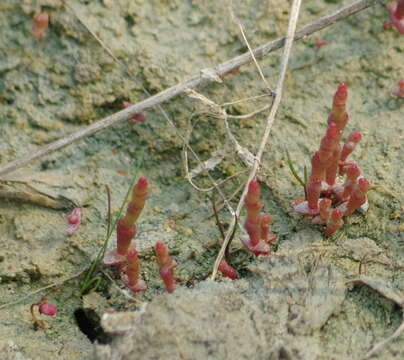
(270, 120)
(251, 114)
(244, 100)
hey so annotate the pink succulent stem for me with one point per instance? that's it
(41, 23)
(124, 235)
(131, 278)
(166, 266)
(266, 235)
(352, 173)
(126, 228)
(253, 206)
(317, 167)
(313, 193)
(349, 146)
(167, 275)
(227, 270)
(136, 205)
(358, 197)
(334, 223)
(332, 169)
(338, 113)
(328, 143)
(252, 224)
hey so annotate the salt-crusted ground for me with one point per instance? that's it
(296, 303)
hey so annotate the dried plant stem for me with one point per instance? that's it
(251, 114)
(270, 120)
(250, 50)
(244, 100)
(42, 289)
(193, 82)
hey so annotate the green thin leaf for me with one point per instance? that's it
(305, 174)
(293, 171)
(90, 279)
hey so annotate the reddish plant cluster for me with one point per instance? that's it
(166, 266)
(227, 270)
(399, 90)
(256, 224)
(140, 117)
(41, 23)
(328, 197)
(318, 43)
(125, 256)
(396, 16)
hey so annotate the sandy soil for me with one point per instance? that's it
(295, 303)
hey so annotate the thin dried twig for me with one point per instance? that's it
(164, 113)
(42, 289)
(270, 120)
(251, 114)
(197, 80)
(231, 197)
(245, 99)
(250, 50)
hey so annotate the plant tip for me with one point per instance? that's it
(73, 221)
(47, 309)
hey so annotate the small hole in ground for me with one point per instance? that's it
(89, 323)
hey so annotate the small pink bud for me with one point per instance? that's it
(363, 185)
(140, 117)
(355, 136)
(399, 91)
(349, 146)
(41, 23)
(73, 221)
(358, 197)
(47, 309)
(318, 43)
(227, 270)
